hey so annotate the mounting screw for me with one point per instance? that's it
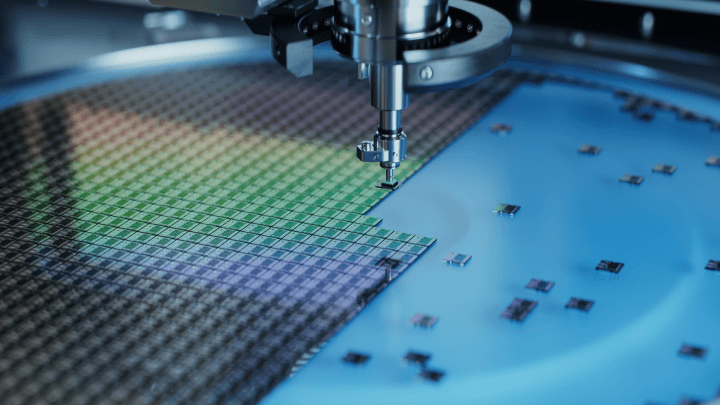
(376, 156)
(305, 30)
(327, 22)
(458, 23)
(315, 25)
(426, 73)
(366, 20)
(470, 28)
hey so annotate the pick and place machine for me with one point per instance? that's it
(192, 222)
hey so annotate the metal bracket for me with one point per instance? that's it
(291, 40)
(367, 152)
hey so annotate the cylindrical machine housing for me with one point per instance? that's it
(386, 88)
(378, 31)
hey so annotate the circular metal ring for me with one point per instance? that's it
(460, 64)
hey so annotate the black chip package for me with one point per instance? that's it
(506, 209)
(612, 267)
(713, 265)
(432, 375)
(632, 179)
(589, 149)
(692, 351)
(356, 358)
(663, 168)
(577, 303)
(417, 358)
(519, 309)
(540, 285)
(501, 128)
(644, 116)
(426, 321)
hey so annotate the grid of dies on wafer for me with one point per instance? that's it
(109, 224)
(123, 338)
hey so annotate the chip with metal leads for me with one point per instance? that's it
(501, 128)
(388, 263)
(519, 309)
(663, 168)
(356, 358)
(632, 179)
(713, 161)
(692, 351)
(612, 267)
(456, 258)
(713, 265)
(589, 149)
(432, 375)
(426, 321)
(506, 209)
(540, 285)
(577, 303)
(417, 358)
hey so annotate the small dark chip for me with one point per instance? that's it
(432, 375)
(692, 351)
(506, 209)
(519, 309)
(663, 168)
(644, 116)
(631, 179)
(388, 263)
(589, 149)
(687, 115)
(356, 358)
(426, 321)
(417, 358)
(713, 161)
(540, 285)
(612, 267)
(501, 128)
(713, 265)
(619, 93)
(577, 303)
(390, 186)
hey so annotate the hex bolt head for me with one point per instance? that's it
(366, 20)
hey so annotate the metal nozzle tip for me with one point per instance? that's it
(389, 175)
